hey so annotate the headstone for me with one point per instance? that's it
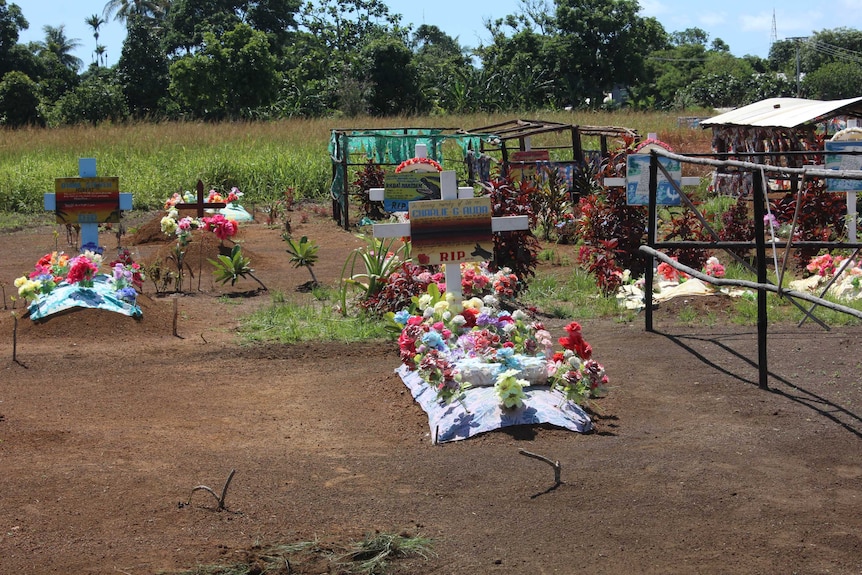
(87, 201)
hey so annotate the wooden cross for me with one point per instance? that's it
(200, 205)
(449, 191)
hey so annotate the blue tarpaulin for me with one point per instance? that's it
(66, 297)
(480, 411)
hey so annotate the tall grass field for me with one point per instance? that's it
(265, 159)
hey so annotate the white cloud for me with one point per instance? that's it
(756, 22)
(653, 8)
(712, 18)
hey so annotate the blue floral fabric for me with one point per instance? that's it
(65, 297)
(480, 410)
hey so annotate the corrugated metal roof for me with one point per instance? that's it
(785, 112)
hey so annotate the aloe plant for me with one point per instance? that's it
(231, 268)
(303, 254)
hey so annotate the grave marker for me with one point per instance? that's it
(200, 205)
(453, 197)
(87, 201)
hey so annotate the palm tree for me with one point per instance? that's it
(149, 9)
(101, 53)
(95, 22)
(57, 43)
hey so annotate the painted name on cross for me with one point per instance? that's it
(451, 231)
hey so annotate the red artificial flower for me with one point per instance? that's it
(469, 317)
(574, 341)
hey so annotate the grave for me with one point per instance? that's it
(454, 229)
(86, 201)
(200, 205)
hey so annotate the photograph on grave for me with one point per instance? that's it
(837, 158)
(637, 181)
(451, 231)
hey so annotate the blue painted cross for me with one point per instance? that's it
(87, 201)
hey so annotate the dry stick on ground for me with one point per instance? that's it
(751, 285)
(15, 337)
(554, 464)
(209, 490)
(176, 313)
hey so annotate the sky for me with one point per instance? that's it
(745, 25)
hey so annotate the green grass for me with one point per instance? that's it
(575, 297)
(263, 159)
(290, 322)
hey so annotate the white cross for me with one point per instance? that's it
(449, 190)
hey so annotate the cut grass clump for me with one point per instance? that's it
(371, 556)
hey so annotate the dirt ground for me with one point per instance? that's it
(107, 423)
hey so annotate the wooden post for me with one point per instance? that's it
(651, 239)
(760, 248)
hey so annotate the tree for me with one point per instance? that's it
(322, 66)
(143, 70)
(521, 66)
(836, 45)
(833, 81)
(388, 65)
(227, 78)
(11, 23)
(101, 55)
(602, 43)
(96, 99)
(19, 101)
(58, 44)
(122, 10)
(95, 22)
(188, 20)
(437, 59)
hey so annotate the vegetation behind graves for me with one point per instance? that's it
(263, 159)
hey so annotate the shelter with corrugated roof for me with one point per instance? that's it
(776, 126)
(775, 131)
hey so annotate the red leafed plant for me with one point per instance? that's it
(371, 176)
(821, 217)
(516, 250)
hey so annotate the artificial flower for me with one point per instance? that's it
(510, 389)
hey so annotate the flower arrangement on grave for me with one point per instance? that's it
(232, 197)
(574, 371)
(126, 277)
(223, 228)
(477, 344)
(183, 227)
(510, 389)
(712, 267)
(843, 276)
(58, 269)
